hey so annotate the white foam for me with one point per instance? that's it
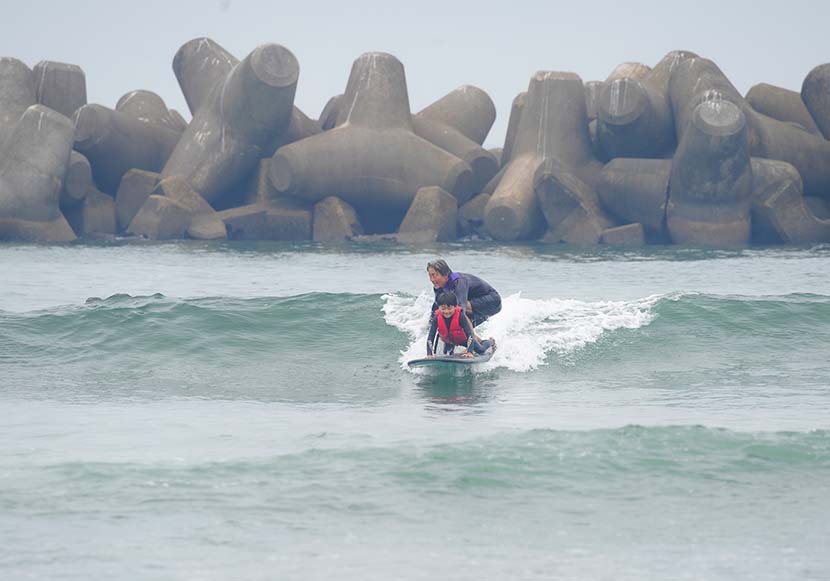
(410, 315)
(526, 330)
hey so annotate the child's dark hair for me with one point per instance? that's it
(447, 298)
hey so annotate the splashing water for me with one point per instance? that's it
(527, 330)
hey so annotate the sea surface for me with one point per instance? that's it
(244, 411)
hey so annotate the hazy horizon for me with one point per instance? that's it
(125, 46)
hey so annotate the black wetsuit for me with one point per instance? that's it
(472, 343)
(484, 299)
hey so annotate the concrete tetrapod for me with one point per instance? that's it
(459, 122)
(696, 80)
(767, 172)
(371, 158)
(94, 217)
(628, 70)
(258, 222)
(335, 221)
(148, 107)
(179, 123)
(257, 189)
(516, 109)
(115, 143)
(815, 92)
(467, 109)
(77, 180)
(432, 217)
(779, 210)
(782, 207)
(238, 123)
(199, 65)
(60, 86)
(592, 91)
(453, 123)
(810, 154)
(17, 93)
(553, 125)
(205, 223)
(781, 104)
(711, 179)
(571, 207)
(497, 152)
(328, 116)
(636, 190)
(136, 186)
(599, 152)
(634, 116)
(628, 236)
(300, 127)
(471, 215)
(818, 206)
(160, 218)
(32, 166)
(768, 175)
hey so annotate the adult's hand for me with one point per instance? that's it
(468, 354)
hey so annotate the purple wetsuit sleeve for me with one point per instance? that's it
(462, 289)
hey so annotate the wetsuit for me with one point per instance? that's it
(473, 344)
(484, 299)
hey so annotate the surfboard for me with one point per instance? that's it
(451, 361)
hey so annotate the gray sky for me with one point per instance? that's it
(497, 46)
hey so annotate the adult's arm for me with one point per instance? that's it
(434, 306)
(433, 328)
(462, 289)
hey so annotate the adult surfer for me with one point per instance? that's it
(479, 300)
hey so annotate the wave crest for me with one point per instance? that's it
(527, 330)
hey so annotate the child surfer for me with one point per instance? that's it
(454, 328)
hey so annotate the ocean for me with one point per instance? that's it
(243, 411)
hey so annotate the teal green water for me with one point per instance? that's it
(202, 411)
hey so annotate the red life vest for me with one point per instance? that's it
(455, 335)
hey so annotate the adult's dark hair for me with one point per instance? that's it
(447, 298)
(440, 265)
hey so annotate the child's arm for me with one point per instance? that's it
(467, 327)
